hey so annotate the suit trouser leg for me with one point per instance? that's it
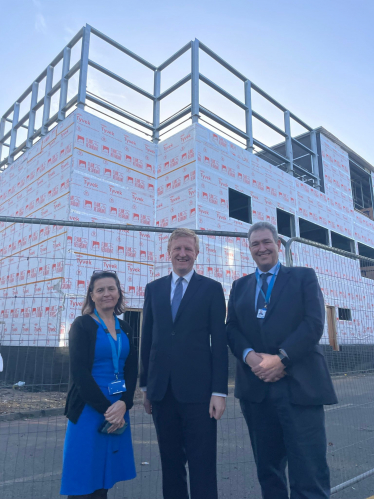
(169, 429)
(200, 437)
(268, 447)
(305, 439)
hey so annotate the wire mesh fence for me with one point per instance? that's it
(44, 273)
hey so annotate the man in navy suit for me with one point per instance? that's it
(184, 369)
(275, 321)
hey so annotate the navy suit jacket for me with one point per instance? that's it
(294, 322)
(190, 352)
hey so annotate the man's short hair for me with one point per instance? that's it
(177, 233)
(262, 226)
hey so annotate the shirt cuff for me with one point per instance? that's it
(246, 352)
(143, 388)
(283, 352)
(219, 394)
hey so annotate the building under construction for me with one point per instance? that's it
(73, 155)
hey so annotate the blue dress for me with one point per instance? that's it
(91, 459)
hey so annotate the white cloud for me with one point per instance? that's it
(40, 24)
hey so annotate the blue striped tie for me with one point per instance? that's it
(177, 298)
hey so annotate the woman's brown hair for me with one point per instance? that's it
(89, 306)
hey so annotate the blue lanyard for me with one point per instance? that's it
(271, 284)
(115, 354)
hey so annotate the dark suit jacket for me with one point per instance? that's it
(191, 352)
(294, 322)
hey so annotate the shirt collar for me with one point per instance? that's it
(187, 277)
(271, 271)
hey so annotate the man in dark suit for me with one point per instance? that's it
(184, 369)
(275, 321)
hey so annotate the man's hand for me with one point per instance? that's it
(147, 404)
(270, 369)
(115, 412)
(217, 406)
(253, 359)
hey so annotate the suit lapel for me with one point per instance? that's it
(164, 295)
(281, 281)
(191, 290)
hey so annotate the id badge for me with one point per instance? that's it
(117, 386)
(261, 313)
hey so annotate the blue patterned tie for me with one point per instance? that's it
(264, 286)
(177, 298)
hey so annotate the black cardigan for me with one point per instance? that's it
(83, 389)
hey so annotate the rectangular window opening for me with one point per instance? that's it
(366, 267)
(345, 314)
(361, 189)
(240, 206)
(285, 223)
(313, 232)
(341, 242)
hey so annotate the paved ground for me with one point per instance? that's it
(31, 451)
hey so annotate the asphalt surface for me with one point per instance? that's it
(31, 451)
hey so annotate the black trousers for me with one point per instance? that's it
(283, 433)
(98, 494)
(186, 434)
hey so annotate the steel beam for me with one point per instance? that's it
(82, 85)
(13, 134)
(289, 153)
(248, 114)
(117, 111)
(156, 106)
(174, 118)
(2, 132)
(34, 100)
(47, 100)
(175, 56)
(120, 47)
(195, 81)
(223, 92)
(64, 84)
(315, 166)
(223, 122)
(175, 86)
(120, 79)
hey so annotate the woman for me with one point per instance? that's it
(103, 374)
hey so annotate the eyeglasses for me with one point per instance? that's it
(104, 272)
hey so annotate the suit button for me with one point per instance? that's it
(173, 333)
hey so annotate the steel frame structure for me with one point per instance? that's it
(193, 110)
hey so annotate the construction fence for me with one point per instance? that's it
(45, 267)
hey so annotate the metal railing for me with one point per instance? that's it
(192, 111)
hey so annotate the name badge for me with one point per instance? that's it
(117, 386)
(261, 313)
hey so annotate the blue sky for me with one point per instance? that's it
(316, 58)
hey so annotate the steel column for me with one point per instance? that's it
(82, 86)
(315, 167)
(34, 101)
(2, 132)
(289, 153)
(248, 114)
(195, 81)
(13, 135)
(156, 106)
(47, 100)
(64, 84)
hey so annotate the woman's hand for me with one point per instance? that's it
(116, 412)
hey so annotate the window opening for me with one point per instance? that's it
(341, 242)
(285, 223)
(361, 189)
(313, 232)
(345, 314)
(240, 206)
